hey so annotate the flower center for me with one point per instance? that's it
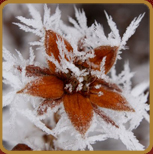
(79, 84)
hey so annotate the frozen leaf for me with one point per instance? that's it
(46, 87)
(103, 116)
(109, 99)
(47, 103)
(52, 47)
(108, 85)
(35, 71)
(104, 51)
(79, 111)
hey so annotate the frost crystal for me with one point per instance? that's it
(77, 47)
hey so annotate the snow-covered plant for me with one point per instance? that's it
(76, 98)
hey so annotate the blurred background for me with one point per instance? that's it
(122, 14)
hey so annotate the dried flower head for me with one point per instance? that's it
(73, 89)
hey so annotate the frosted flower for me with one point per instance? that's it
(85, 105)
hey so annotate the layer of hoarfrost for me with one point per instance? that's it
(23, 107)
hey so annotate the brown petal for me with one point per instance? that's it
(47, 103)
(46, 87)
(35, 71)
(108, 85)
(79, 111)
(104, 51)
(103, 116)
(32, 70)
(109, 99)
(52, 48)
(21, 147)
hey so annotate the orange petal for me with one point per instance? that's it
(35, 71)
(52, 48)
(103, 116)
(110, 86)
(46, 87)
(32, 70)
(104, 51)
(47, 103)
(79, 111)
(110, 99)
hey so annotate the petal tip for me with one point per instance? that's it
(20, 91)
